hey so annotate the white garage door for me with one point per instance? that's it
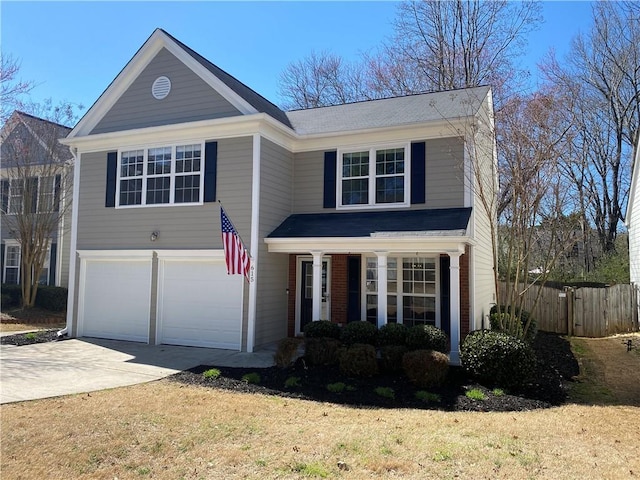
(114, 299)
(199, 304)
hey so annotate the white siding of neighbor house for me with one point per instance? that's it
(444, 177)
(633, 220)
(276, 177)
(190, 99)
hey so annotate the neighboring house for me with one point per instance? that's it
(34, 161)
(633, 219)
(328, 201)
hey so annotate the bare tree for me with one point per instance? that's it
(12, 88)
(456, 44)
(319, 80)
(36, 181)
(601, 78)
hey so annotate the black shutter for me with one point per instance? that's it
(418, 173)
(112, 173)
(56, 193)
(30, 195)
(52, 264)
(4, 194)
(330, 165)
(2, 261)
(210, 170)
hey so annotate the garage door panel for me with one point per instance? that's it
(199, 304)
(115, 300)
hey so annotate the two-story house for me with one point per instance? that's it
(361, 211)
(35, 167)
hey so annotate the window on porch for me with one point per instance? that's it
(412, 290)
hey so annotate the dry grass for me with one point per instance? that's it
(167, 430)
(21, 327)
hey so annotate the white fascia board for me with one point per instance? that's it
(216, 129)
(136, 65)
(364, 244)
(208, 254)
(635, 184)
(116, 254)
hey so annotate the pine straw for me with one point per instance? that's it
(164, 430)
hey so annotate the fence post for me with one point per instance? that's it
(571, 297)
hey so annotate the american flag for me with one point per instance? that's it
(235, 254)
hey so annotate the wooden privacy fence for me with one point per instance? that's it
(584, 312)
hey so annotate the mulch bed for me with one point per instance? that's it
(556, 366)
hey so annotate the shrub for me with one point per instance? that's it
(427, 337)
(337, 387)
(425, 368)
(322, 328)
(292, 382)
(252, 377)
(211, 373)
(392, 334)
(386, 392)
(53, 299)
(321, 351)
(427, 396)
(358, 360)
(359, 332)
(524, 317)
(496, 358)
(391, 357)
(286, 352)
(11, 295)
(475, 394)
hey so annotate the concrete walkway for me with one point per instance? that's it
(84, 365)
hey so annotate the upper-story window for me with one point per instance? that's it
(30, 195)
(373, 177)
(163, 175)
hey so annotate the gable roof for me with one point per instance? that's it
(366, 224)
(235, 92)
(389, 112)
(44, 131)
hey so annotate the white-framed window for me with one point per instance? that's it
(161, 175)
(412, 290)
(38, 194)
(373, 177)
(12, 256)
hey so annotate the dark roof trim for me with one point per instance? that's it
(363, 224)
(251, 96)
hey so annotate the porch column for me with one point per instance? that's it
(382, 288)
(316, 307)
(454, 298)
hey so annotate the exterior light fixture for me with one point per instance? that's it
(154, 236)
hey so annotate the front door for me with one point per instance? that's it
(306, 292)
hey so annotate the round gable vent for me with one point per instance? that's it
(161, 87)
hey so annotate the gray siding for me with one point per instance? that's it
(180, 227)
(276, 175)
(190, 99)
(444, 177)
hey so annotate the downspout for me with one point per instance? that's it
(73, 245)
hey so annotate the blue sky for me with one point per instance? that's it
(73, 50)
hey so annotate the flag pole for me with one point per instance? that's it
(234, 227)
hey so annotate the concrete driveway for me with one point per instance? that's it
(84, 365)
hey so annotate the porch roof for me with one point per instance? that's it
(443, 221)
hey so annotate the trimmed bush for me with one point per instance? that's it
(426, 368)
(497, 359)
(391, 357)
(523, 315)
(286, 352)
(11, 295)
(53, 299)
(322, 328)
(358, 360)
(359, 332)
(392, 334)
(427, 337)
(321, 351)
